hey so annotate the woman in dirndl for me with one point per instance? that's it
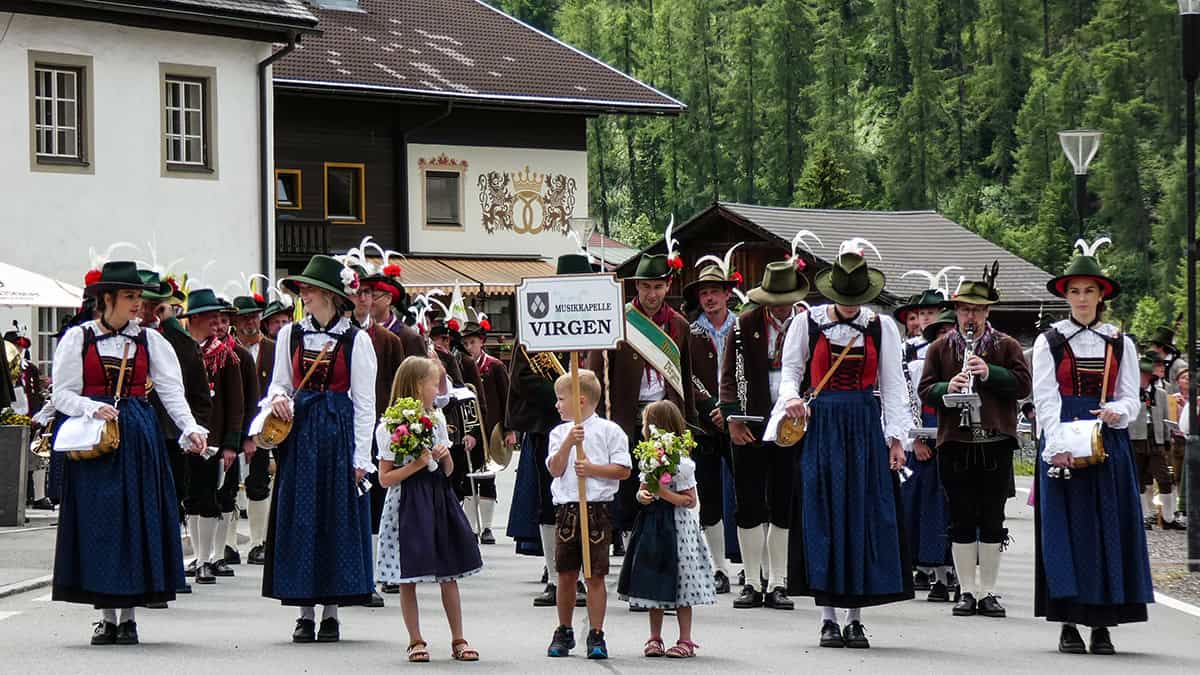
(318, 548)
(847, 548)
(118, 541)
(1092, 567)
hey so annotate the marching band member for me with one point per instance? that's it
(1174, 366)
(493, 375)
(1092, 567)
(108, 555)
(248, 329)
(847, 549)
(319, 540)
(974, 454)
(227, 495)
(1149, 435)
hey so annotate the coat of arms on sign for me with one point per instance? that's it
(526, 202)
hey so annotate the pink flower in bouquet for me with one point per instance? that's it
(664, 480)
(401, 432)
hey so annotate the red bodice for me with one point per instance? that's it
(100, 373)
(332, 375)
(1084, 377)
(858, 371)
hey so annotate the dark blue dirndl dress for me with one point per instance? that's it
(523, 523)
(847, 546)
(926, 511)
(318, 546)
(118, 542)
(1092, 566)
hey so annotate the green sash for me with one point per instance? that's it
(659, 350)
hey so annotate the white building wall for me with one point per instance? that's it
(474, 238)
(51, 219)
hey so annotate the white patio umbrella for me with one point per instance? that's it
(22, 288)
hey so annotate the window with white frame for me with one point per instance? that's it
(49, 322)
(186, 122)
(58, 107)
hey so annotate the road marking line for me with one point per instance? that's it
(44, 598)
(26, 585)
(5, 615)
(23, 530)
(1179, 605)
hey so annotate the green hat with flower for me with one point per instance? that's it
(327, 274)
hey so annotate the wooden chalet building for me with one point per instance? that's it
(449, 132)
(906, 239)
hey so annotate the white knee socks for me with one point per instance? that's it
(941, 574)
(1148, 508)
(487, 508)
(829, 614)
(259, 512)
(966, 557)
(548, 539)
(1170, 504)
(751, 541)
(39, 485)
(203, 538)
(468, 505)
(989, 567)
(127, 614)
(853, 614)
(715, 536)
(220, 535)
(108, 615)
(777, 544)
(193, 531)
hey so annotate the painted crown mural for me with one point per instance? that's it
(527, 202)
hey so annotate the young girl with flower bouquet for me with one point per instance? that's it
(423, 534)
(667, 564)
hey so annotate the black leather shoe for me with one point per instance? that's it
(232, 556)
(127, 633)
(618, 550)
(742, 578)
(1148, 521)
(257, 556)
(548, 597)
(306, 631)
(966, 605)
(1070, 641)
(938, 592)
(721, 582)
(105, 633)
(390, 589)
(920, 581)
(856, 636)
(831, 635)
(43, 504)
(778, 599)
(375, 602)
(580, 594)
(156, 605)
(329, 631)
(486, 537)
(990, 606)
(750, 598)
(1102, 642)
(545, 575)
(221, 569)
(190, 570)
(1173, 525)
(205, 575)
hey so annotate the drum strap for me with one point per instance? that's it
(313, 368)
(121, 375)
(832, 369)
(1107, 365)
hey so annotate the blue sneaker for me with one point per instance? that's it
(563, 642)
(596, 649)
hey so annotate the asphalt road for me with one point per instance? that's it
(229, 628)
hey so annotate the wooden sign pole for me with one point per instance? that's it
(585, 539)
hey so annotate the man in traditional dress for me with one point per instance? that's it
(975, 449)
(1163, 344)
(762, 471)
(493, 375)
(652, 364)
(465, 413)
(531, 411)
(248, 331)
(1149, 434)
(387, 292)
(227, 493)
(710, 292)
(225, 433)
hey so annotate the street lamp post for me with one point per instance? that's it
(1080, 147)
(1189, 14)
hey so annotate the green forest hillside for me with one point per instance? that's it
(950, 105)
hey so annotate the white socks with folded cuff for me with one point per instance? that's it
(220, 536)
(468, 505)
(487, 508)
(259, 513)
(1170, 504)
(777, 556)
(203, 537)
(715, 536)
(751, 541)
(989, 568)
(548, 541)
(966, 558)
(39, 485)
(830, 614)
(1149, 510)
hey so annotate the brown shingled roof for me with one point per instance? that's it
(462, 50)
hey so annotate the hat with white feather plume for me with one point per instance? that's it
(1086, 265)
(850, 281)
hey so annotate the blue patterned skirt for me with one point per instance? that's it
(926, 512)
(318, 544)
(118, 527)
(424, 535)
(846, 547)
(1092, 567)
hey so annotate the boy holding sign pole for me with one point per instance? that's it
(590, 457)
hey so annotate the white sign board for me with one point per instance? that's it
(573, 312)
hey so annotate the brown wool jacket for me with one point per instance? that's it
(756, 365)
(704, 374)
(1009, 380)
(494, 375)
(389, 353)
(228, 407)
(250, 391)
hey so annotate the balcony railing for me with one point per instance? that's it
(299, 239)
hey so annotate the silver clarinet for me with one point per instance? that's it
(918, 430)
(967, 401)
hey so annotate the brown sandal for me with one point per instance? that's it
(683, 649)
(654, 648)
(418, 652)
(460, 650)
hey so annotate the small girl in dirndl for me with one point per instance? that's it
(667, 564)
(424, 536)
